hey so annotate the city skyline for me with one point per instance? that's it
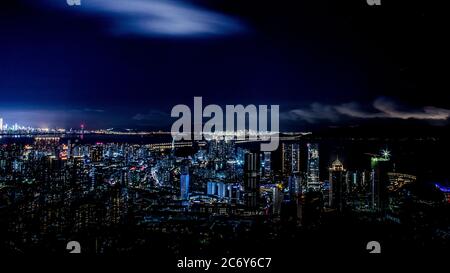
(316, 116)
(60, 188)
(224, 135)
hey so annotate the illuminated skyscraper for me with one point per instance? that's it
(184, 186)
(1, 124)
(277, 197)
(295, 187)
(291, 158)
(69, 149)
(251, 180)
(379, 180)
(216, 188)
(96, 154)
(266, 164)
(313, 166)
(336, 190)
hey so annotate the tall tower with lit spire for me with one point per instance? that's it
(336, 178)
(379, 179)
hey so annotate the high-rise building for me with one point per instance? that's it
(69, 149)
(221, 149)
(96, 154)
(1, 124)
(295, 158)
(184, 186)
(277, 199)
(379, 180)
(266, 164)
(295, 187)
(216, 188)
(251, 180)
(336, 187)
(291, 158)
(313, 166)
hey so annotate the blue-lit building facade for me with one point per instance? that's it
(313, 180)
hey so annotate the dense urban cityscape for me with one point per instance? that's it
(224, 135)
(146, 192)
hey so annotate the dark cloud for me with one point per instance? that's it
(383, 108)
(314, 113)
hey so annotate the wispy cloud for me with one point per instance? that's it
(313, 113)
(179, 18)
(383, 108)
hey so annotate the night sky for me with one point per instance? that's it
(125, 64)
